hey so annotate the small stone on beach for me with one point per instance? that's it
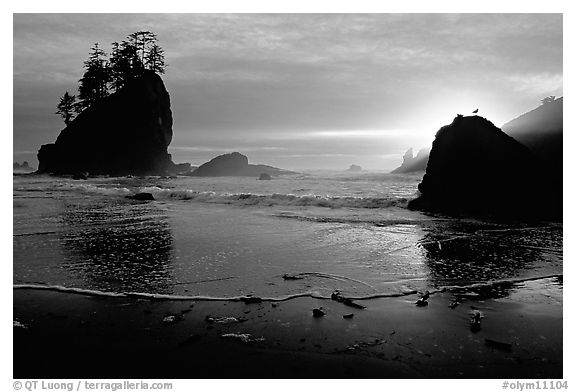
(170, 319)
(475, 317)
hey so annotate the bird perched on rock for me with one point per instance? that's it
(475, 111)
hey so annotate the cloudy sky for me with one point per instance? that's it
(301, 90)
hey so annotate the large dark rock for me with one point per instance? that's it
(127, 132)
(475, 168)
(413, 163)
(235, 164)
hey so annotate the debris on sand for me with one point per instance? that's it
(172, 318)
(243, 337)
(318, 312)
(336, 296)
(18, 324)
(362, 345)
(223, 320)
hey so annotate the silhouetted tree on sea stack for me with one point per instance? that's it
(127, 60)
(68, 107)
(94, 83)
(155, 60)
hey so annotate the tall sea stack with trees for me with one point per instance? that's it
(120, 122)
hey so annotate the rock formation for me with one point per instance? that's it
(23, 168)
(354, 168)
(412, 163)
(127, 132)
(264, 176)
(235, 164)
(475, 168)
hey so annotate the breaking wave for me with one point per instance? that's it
(249, 199)
(278, 199)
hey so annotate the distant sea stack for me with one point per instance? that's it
(235, 164)
(475, 168)
(22, 168)
(354, 168)
(127, 132)
(413, 163)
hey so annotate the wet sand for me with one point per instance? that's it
(69, 335)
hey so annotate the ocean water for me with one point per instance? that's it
(237, 236)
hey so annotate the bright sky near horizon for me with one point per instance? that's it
(301, 91)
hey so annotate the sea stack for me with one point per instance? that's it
(127, 132)
(235, 164)
(475, 168)
(411, 163)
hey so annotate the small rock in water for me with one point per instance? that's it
(421, 302)
(348, 316)
(475, 317)
(318, 312)
(141, 196)
(453, 304)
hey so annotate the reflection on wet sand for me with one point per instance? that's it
(486, 255)
(119, 247)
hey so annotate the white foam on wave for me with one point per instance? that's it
(107, 191)
(250, 299)
(275, 199)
